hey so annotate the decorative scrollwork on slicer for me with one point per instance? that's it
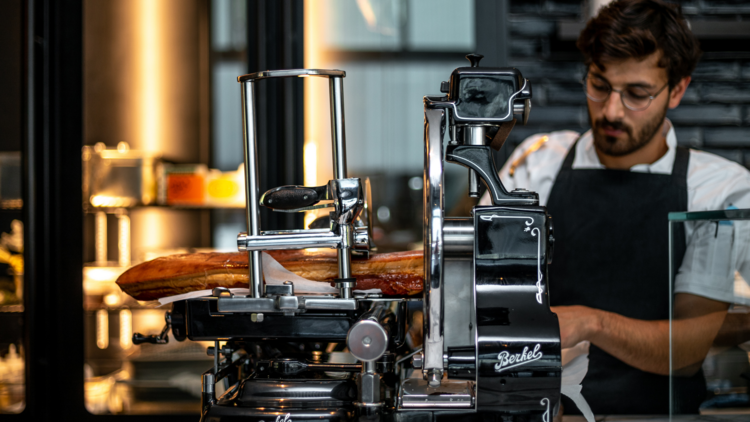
(536, 233)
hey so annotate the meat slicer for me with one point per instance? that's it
(491, 345)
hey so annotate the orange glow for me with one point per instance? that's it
(150, 84)
(317, 116)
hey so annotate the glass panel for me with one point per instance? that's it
(12, 359)
(705, 339)
(380, 45)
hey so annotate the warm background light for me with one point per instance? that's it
(318, 159)
(150, 68)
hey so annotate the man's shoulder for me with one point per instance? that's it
(709, 164)
(551, 144)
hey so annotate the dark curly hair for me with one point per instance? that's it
(638, 28)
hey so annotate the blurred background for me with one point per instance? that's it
(122, 142)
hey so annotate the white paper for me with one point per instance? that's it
(240, 291)
(273, 273)
(575, 361)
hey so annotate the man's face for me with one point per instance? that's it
(618, 130)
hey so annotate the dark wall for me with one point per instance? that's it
(11, 55)
(715, 113)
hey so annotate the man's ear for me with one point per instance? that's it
(678, 91)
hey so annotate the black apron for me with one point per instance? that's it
(611, 253)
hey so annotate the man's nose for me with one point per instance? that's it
(614, 110)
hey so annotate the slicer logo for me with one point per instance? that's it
(507, 360)
(285, 418)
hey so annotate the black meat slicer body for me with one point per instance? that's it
(491, 345)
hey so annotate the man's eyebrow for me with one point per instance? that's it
(639, 84)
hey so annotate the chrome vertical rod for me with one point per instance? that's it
(345, 271)
(337, 127)
(251, 184)
(338, 137)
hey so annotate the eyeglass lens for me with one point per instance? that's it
(634, 98)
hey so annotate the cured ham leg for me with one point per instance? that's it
(395, 274)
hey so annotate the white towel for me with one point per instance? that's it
(575, 361)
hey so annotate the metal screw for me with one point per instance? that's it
(366, 341)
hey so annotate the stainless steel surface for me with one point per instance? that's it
(458, 329)
(348, 199)
(522, 107)
(417, 360)
(287, 73)
(345, 271)
(287, 303)
(338, 135)
(221, 291)
(246, 304)
(348, 202)
(301, 240)
(208, 383)
(330, 304)
(286, 289)
(282, 304)
(305, 393)
(369, 385)
(416, 393)
(360, 238)
(474, 135)
(458, 236)
(216, 357)
(433, 242)
(367, 340)
(255, 268)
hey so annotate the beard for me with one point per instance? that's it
(618, 147)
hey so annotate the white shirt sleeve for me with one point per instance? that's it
(717, 259)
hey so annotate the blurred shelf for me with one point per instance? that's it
(112, 210)
(11, 309)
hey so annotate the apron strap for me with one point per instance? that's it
(680, 166)
(571, 156)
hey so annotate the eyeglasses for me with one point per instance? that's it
(634, 97)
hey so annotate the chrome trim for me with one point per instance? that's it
(327, 239)
(330, 304)
(433, 244)
(458, 236)
(290, 73)
(338, 134)
(245, 304)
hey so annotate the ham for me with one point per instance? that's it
(395, 274)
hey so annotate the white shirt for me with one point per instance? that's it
(715, 255)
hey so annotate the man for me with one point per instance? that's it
(609, 191)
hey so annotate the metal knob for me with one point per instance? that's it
(367, 340)
(474, 59)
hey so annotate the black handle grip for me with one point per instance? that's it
(293, 197)
(139, 338)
